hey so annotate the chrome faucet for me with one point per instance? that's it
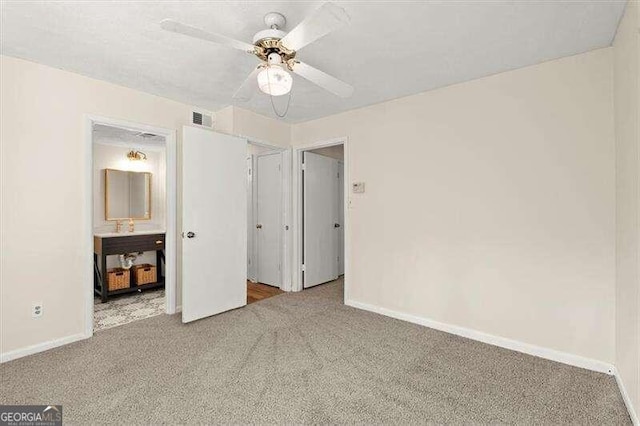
(118, 226)
(131, 226)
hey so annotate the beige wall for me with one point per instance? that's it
(627, 126)
(223, 120)
(490, 204)
(241, 122)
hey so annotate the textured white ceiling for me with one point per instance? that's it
(116, 135)
(389, 50)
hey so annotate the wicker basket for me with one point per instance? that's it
(118, 278)
(145, 274)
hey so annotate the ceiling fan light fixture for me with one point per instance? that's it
(274, 80)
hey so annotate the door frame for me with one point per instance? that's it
(342, 251)
(285, 211)
(170, 215)
(297, 210)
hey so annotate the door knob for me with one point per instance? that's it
(336, 225)
(190, 234)
(259, 226)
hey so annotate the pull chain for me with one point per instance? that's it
(273, 106)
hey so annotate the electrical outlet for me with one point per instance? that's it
(36, 310)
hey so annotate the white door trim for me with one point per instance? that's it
(296, 284)
(286, 225)
(341, 247)
(171, 205)
(252, 270)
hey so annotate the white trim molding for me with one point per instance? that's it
(626, 398)
(40, 347)
(503, 342)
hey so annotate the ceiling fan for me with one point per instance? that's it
(277, 51)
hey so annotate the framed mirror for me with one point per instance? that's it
(127, 195)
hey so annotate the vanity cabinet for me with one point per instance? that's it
(104, 246)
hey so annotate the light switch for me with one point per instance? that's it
(358, 187)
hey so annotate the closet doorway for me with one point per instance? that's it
(321, 206)
(267, 201)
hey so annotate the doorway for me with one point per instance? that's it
(267, 200)
(320, 210)
(130, 196)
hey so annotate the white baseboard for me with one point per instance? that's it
(626, 398)
(515, 345)
(40, 347)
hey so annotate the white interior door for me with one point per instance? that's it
(214, 223)
(269, 217)
(320, 243)
(340, 215)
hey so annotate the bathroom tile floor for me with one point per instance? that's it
(127, 308)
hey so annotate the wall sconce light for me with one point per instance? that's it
(136, 155)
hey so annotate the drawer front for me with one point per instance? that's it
(133, 243)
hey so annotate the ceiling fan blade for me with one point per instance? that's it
(322, 79)
(180, 28)
(248, 87)
(326, 19)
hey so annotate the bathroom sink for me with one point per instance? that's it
(127, 233)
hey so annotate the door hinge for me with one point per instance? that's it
(303, 269)
(303, 166)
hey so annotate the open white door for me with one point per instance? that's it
(214, 223)
(320, 239)
(269, 218)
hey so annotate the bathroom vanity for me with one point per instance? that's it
(118, 243)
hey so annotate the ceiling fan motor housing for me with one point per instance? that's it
(268, 41)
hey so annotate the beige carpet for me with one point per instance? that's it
(303, 358)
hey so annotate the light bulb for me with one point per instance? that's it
(274, 80)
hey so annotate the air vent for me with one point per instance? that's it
(201, 119)
(146, 135)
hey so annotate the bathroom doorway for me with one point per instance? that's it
(132, 223)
